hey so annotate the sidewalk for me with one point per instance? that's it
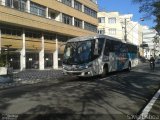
(32, 77)
(37, 74)
(156, 108)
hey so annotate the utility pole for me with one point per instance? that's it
(125, 29)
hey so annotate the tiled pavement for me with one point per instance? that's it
(31, 77)
(37, 74)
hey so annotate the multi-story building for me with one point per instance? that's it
(33, 32)
(116, 25)
(152, 48)
(110, 24)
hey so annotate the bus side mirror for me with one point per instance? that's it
(96, 47)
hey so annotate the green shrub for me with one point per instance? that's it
(2, 60)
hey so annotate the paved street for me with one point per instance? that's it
(116, 97)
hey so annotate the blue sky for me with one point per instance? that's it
(124, 7)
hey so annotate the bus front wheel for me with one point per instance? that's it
(129, 67)
(105, 71)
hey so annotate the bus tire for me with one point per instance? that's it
(129, 67)
(105, 71)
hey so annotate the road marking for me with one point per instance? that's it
(148, 107)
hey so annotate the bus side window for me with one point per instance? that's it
(107, 48)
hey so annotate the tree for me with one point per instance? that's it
(150, 8)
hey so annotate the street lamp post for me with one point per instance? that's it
(125, 28)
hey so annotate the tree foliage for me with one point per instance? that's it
(150, 8)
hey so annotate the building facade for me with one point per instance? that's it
(34, 32)
(116, 25)
(110, 24)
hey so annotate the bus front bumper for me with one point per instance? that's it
(83, 73)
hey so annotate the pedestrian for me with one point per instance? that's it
(152, 62)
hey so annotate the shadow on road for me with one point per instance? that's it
(114, 97)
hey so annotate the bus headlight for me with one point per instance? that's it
(88, 66)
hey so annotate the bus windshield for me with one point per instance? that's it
(81, 52)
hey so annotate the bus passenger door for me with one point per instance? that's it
(99, 43)
(112, 61)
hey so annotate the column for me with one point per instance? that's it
(28, 6)
(55, 55)
(73, 21)
(83, 24)
(12, 4)
(41, 55)
(47, 16)
(23, 53)
(82, 8)
(3, 2)
(73, 3)
(60, 17)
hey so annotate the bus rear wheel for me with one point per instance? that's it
(105, 71)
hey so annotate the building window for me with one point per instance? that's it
(9, 3)
(33, 34)
(77, 23)
(11, 31)
(19, 4)
(112, 31)
(63, 38)
(66, 19)
(90, 27)
(37, 10)
(78, 5)
(52, 15)
(101, 31)
(23, 5)
(67, 2)
(49, 37)
(90, 12)
(101, 19)
(16, 4)
(112, 20)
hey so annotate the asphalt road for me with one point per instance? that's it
(116, 97)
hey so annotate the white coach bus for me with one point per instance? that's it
(98, 55)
